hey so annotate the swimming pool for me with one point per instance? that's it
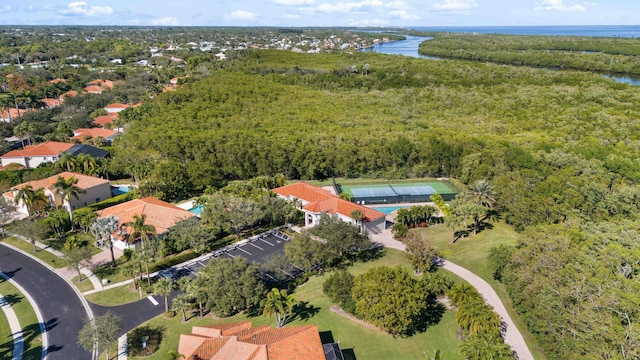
(388, 209)
(120, 189)
(197, 210)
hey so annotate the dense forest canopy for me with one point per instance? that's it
(560, 148)
(605, 54)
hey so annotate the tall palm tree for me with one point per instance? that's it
(358, 216)
(278, 303)
(182, 303)
(140, 229)
(102, 228)
(6, 105)
(67, 188)
(66, 160)
(461, 293)
(480, 194)
(164, 287)
(33, 199)
(87, 163)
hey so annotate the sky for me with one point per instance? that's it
(299, 13)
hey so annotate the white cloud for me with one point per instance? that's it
(402, 14)
(368, 22)
(348, 7)
(290, 16)
(558, 5)
(5, 8)
(293, 2)
(166, 21)
(455, 5)
(397, 5)
(81, 8)
(243, 15)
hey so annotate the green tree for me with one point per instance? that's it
(230, 212)
(486, 346)
(6, 214)
(344, 242)
(278, 303)
(305, 252)
(97, 334)
(420, 252)
(480, 194)
(182, 303)
(35, 200)
(78, 258)
(390, 299)
(84, 218)
(462, 293)
(164, 287)
(140, 229)
(66, 189)
(58, 220)
(338, 287)
(102, 229)
(498, 259)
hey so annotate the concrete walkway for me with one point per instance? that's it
(122, 347)
(513, 337)
(16, 329)
(69, 274)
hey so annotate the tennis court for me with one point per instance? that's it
(397, 193)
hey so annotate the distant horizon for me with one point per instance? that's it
(320, 13)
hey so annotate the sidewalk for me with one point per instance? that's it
(16, 329)
(69, 274)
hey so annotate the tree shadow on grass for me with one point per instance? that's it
(431, 315)
(303, 311)
(152, 337)
(12, 299)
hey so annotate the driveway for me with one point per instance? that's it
(62, 310)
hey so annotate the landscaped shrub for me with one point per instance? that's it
(338, 287)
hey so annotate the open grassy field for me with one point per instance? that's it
(28, 322)
(471, 253)
(361, 342)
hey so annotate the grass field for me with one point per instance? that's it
(364, 343)
(116, 296)
(471, 253)
(28, 321)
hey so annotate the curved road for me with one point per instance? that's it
(59, 304)
(513, 337)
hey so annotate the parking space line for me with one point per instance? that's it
(254, 245)
(230, 255)
(201, 263)
(265, 241)
(244, 251)
(153, 300)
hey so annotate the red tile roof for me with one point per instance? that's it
(50, 102)
(240, 341)
(159, 214)
(13, 112)
(49, 148)
(321, 200)
(84, 181)
(80, 134)
(12, 166)
(105, 119)
(93, 89)
(70, 93)
(55, 81)
(117, 106)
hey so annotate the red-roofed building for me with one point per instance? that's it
(317, 202)
(105, 119)
(56, 81)
(50, 103)
(92, 133)
(115, 108)
(33, 155)
(11, 114)
(92, 89)
(159, 214)
(70, 93)
(241, 341)
(95, 189)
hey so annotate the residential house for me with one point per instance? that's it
(317, 202)
(10, 114)
(97, 86)
(105, 119)
(94, 190)
(159, 214)
(92, 133)
(115, 108)
(33, 155)
(241, 341)
(92, 89)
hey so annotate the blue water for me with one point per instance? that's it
(628, 31)
(388, 209)
(197, 210)
(120, 189)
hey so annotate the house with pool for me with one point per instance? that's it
(159, 214)
(317, 202)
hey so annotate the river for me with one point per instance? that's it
(409, 47)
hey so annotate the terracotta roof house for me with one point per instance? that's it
(160, 214)
(50, 103)
(105, 119)
(317, 202)
(105, 84)
(70, 93)
(241, 341)
(95, 189)
(92, 89)
(10, 114)
(33, 155)
(115, 108)
(92, 133)
(56, 81)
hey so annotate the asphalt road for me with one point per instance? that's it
(61, 309)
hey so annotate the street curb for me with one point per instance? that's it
(36, 309)
(84, 301)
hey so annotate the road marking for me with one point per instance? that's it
(256, 246)
(245, 251)
(153, 300)
(265, 241)
(230, 255)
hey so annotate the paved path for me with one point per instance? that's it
(59, 302)
(513, 337)
(16, 329)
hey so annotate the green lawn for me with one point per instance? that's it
(471, 253)
(43, 255)
(84, 285)
(28, 322)
(116, 296)
(366, 344)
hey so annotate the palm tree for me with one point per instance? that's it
(88, 163)
(66, 160)
(102, 228)
(278, 303)
(461, 293)
(476, 317)
(33, 199)
(6, 105)
(164, 287)
(140, 229)
(145, 257)
(403, 216)
(67, 188)
(358, 216)
(182, 303)
(452, 221)
(480, 193)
